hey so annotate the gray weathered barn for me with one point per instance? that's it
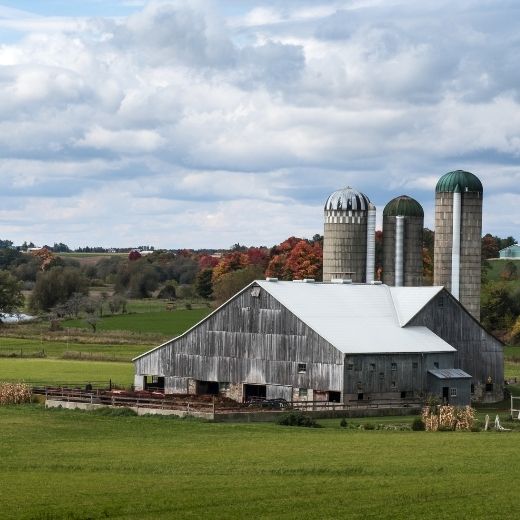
(331, 342)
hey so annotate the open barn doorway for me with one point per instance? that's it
(253, 392)
(154, 383)
(207, 388)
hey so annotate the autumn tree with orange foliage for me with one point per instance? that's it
(295, 259)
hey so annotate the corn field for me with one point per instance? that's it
(448, 418)
(14, 393)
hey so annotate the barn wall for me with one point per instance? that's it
(250, 340)
(478, 352)
(385, 376)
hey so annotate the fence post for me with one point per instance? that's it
(110, 384)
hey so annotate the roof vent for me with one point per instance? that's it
(341, 280)
(308, 280)
(376, 282)
(271, 279)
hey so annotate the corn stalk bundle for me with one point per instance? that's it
(448, 418)
(14, 393)
(430, 418)
(465, 418)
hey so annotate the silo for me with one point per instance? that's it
(403, 223)
(458, 232)
(349, 236)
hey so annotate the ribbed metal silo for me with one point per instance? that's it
(458, 232)
(349, 236)
(403, 223)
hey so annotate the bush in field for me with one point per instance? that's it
(298, 419)
(57, 286)
(418, 425)
(14, 393)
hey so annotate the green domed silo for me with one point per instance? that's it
(349, 236)
(403, 223)
(458, 232)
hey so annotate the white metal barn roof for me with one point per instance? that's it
(359, 318)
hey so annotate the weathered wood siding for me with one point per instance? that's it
(478, 352)
(374, 375)
(249, 340)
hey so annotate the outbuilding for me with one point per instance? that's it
(338, 342)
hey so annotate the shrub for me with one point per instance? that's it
(475, 428)
(343, 423)
(298, 419)
(122, 411)
(369, 426)
(418, 425)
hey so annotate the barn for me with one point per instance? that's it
(338, 342)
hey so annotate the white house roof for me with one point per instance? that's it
(359, 318)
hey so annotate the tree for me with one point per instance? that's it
(230, 283)
(55, 286)
(296, 259)
(203, 284)
(11, 297)
(490, 247)
(498, 307)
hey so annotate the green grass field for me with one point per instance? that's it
(52, 371)
(169, 323)
(496, 268)
(77, 465)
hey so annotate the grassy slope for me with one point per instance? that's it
(497, 266)
(76, 465)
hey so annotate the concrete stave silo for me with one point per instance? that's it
(349, 236)
(403, 223)
(458, 232)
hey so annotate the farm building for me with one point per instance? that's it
(338, 342)
(512, 251)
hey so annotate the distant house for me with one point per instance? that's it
(510, 252)
(336, 342)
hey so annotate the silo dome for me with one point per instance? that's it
(347, 199)
(459, 181)
(403, 206)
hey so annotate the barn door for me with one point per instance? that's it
(446, 394)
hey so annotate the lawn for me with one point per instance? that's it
(77, 465)
(169, 323)
(53, 371)
(21, 347)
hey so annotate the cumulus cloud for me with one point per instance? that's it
(166, 124)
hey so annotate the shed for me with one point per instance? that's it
(452, 385)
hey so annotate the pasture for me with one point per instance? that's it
(168, 323)
(53, 371)
(80, 465)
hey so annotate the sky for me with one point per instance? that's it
(200, 124)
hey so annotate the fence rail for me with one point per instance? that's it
(175, 403)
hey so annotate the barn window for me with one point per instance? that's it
(381, 375)
(436, 364)
(394, 367)
(302, 393)
(372, 367)
(223, 387)
(453, 392)
(394, 385)
(350, 366)
(440, 302)
(302, 368)
(255, 292)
